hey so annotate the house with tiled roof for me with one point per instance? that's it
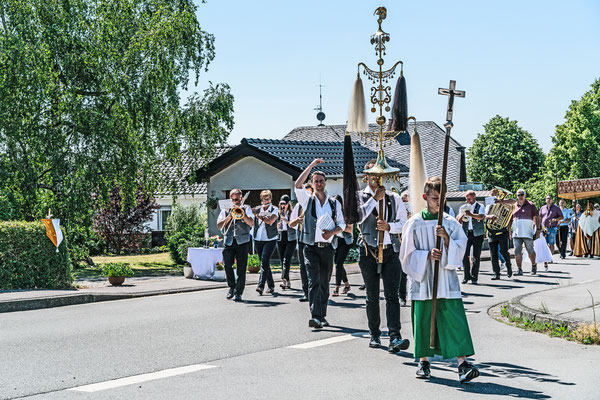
(177, 188)
(275, 164)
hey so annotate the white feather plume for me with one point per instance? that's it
(417, 174)
(357, 114)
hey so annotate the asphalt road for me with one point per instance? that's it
(232, 350)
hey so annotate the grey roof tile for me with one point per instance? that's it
(177, 175)
(432, 142)
(300, 153)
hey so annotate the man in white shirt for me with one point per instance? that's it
(319, 244)
(475, 230)
(390, 221)
(236, 239)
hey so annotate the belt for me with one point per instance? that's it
(385, 247)
(322, 244)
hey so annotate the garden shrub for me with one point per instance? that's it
(28, 259)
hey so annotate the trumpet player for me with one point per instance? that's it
(236, 240)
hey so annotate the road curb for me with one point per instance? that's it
(516, 309)
(76, 298)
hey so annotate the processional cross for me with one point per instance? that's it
(451, 93)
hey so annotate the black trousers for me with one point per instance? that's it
(319, 265)
(340, 256)
(475, 241)
(286, 251)
(502, 241)
(563, 232)
(390, 274)
(403, 280)
(303, 274)
(237, 252)
(265, 250)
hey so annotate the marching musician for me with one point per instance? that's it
(287, 240)
(296, 220)
(471, 218)
(498, 238)
(391, 223)
(319, 243)
(236, 240)
(265, 239)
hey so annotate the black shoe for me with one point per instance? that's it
(375, 342)
(562, 257)
(496, 278)
(424, 371)
(238, 297)
(259, 290)
(402, 302)
(519, 273)
(303, 299)
(571, 254)
(361, 287)
(230, 294)
(474, 281)
(533, 269)
(467, 372)
(465, 280)
(324, 322)
(271, 290)
(397, 344)
(509, 273)
(315, 323)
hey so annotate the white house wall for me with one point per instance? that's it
(167, 202)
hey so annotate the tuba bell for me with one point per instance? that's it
(503, 212)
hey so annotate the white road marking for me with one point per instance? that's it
(323, 342)
(95, 387)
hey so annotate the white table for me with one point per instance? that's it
(203, 261)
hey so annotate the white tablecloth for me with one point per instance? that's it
(203, 261)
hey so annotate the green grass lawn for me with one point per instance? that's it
(158, 264)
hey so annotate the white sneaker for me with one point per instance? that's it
(503, 267)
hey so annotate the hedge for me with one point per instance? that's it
(28, 259)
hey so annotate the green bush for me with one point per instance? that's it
(178, 243)
(28, 259)
(117, 269)
(182, 218)
(253, 260)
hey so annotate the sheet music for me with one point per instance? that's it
(226, 204)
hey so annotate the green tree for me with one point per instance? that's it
(576, 150)
(90, 100)
(504, 155)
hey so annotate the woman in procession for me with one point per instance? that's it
(345, 242)
(265, 239)
(286, 243)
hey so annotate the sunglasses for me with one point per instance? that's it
(520, 194)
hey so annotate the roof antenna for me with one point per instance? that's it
(320, 114)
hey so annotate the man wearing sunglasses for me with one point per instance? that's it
(525, 219)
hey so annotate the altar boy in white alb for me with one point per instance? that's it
(418, 254)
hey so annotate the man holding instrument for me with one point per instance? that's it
(236, 240)
(418, 255)
(389, 221)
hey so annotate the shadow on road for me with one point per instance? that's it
(263, 303)
(508, 370)
(490, 389)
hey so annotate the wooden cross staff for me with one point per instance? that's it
(451, 93)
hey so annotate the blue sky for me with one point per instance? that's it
(526, 60)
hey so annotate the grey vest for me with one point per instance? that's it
(238, 230)
(292, 234)
(271, 229)
(309, 227)
(478, 226)
(368, 227)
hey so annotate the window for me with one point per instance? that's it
(164, 214)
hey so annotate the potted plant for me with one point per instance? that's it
(219, 266)
(116, 272)
(253, 263)
(188, 272)
(212, 202)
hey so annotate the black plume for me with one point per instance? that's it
(399, 118)
(350, 184)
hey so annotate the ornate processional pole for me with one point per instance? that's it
(380, 97)
(451, 93)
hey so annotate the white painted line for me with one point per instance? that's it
(323, 342)
(95, 387)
